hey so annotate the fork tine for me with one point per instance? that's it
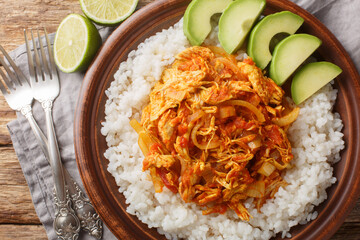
(51, 57)
(30, 59)
(12, 78)
(20, 75)
(6, 82)
(2, 86)
(38, 68)
(46, 70)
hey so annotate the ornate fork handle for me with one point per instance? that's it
(66, 224)
(84, 210)
(45, 86)
(89, 219)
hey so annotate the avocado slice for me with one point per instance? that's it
(261, 35)
(236, 21)
(289, 54)
(310, 78)
(197, 17)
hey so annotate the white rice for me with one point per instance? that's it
(316, 139)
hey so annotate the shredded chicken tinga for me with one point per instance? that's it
(215, 132)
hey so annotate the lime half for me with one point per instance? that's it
(108, 12)
(76, 43)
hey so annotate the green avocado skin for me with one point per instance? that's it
(236, 22)
(197, 18)
(289, 54)
(312, 77)
(264, 31)
(186, 24)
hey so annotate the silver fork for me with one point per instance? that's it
(45, 85)
(45, 88)
(18, 94)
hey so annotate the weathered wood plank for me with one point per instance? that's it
(16, 205)
(5, 138)
(348, 231)
(16, 208)
(354, 216)
(23, 232)
(30, 232)
(6, 115)
(10, 170)
(17, 15)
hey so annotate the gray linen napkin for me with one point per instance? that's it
(340, 16)
(36, 169)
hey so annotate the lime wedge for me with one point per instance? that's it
(76, 43)
(108, 12)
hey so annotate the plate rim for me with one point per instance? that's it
(82, 139)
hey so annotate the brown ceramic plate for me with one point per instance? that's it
(90, 144)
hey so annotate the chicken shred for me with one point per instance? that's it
(209, 133)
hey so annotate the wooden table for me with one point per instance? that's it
(18, 219)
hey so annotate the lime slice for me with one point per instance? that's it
(76, 43)
(108, 12)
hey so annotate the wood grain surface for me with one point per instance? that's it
(18, 219)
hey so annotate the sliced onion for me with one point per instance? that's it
(195, 116)
(144, 142)
(214, 142)
(136, 125)
(249, 106)
(231, 65)
(226, 111)
(266, 169)
(158, 184)
(176, 95)
(143, 146)
(254, 144)
(288, 119)
(256, 189)
(280, 166)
